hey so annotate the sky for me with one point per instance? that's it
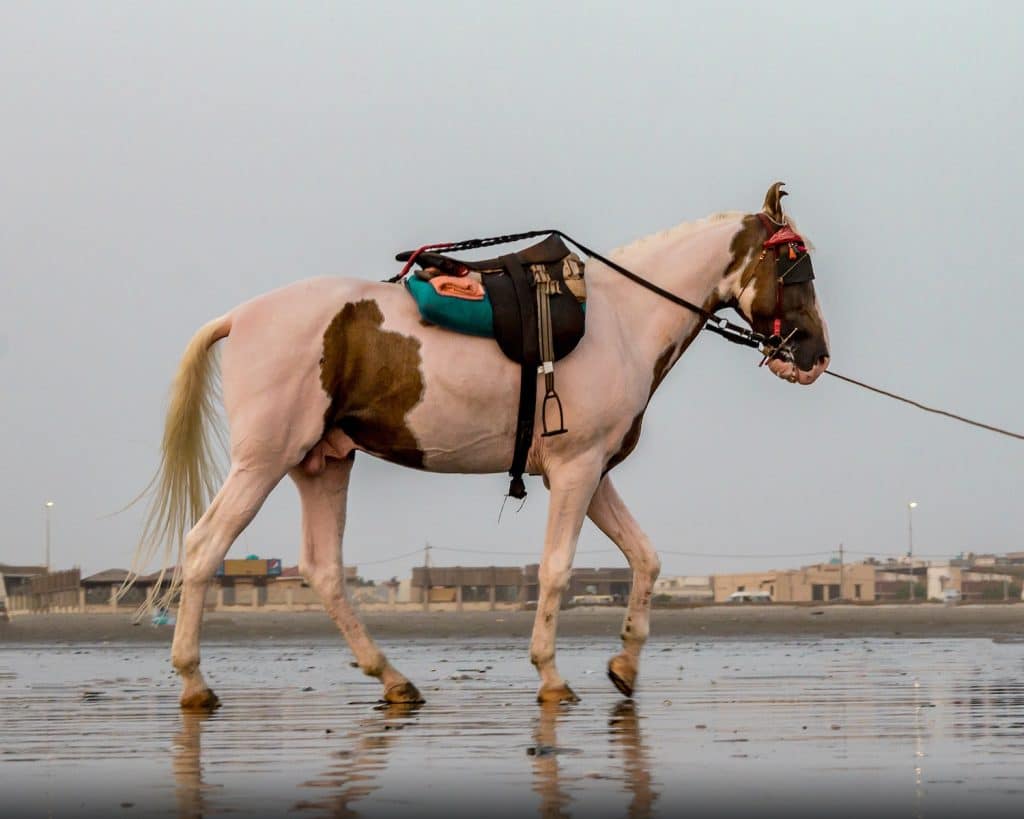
(162, 162)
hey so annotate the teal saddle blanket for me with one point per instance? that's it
(475, 318)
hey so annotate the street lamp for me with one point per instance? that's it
(910, 543)
(48, 506)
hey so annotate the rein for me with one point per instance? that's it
(737, 334)
(715, 324)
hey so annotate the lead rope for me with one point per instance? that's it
(924, 407)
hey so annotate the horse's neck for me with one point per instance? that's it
(688, 261)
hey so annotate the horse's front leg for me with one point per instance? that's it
(572, 487)
(612, 517)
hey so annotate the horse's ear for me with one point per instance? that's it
(773, 202)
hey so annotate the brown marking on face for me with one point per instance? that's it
(799, 303)
(748, 241)
(669, 356)
(373, 379)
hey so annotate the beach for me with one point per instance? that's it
(925, 620)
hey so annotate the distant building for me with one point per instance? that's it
(974, 583)
(490, 587)
(466, 587)
(16, 579)
(821, 582)
(685, 588)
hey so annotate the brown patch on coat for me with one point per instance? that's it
(373, 379)
(748, 238)
(669, 356)
(759, 275)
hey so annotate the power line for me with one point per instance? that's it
(388, 559)
(743, 556)
(673, 552)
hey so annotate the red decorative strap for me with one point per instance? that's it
(784, 236)
(418, 251)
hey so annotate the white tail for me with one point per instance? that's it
(188, 476)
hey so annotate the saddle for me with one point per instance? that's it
(537, 296)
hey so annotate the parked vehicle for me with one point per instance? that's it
(592, 600)
(951, 596)
(750, 597)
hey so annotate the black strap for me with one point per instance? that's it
(527, 376)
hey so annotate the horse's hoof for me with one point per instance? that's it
(622, 673)
(202, 700)
(557, 693)
(404, 693)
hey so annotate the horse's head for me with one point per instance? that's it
(770, 283)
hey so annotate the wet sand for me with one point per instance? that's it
(1003, 622)
(791, 726)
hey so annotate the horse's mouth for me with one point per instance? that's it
(786, 369)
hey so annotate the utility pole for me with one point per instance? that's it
(48, 506)
(426, 577)
(841, 595)
(910, 544)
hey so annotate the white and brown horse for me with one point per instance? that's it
(316, 371)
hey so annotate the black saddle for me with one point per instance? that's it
(538, 320)
(548, 251)
(510, 285)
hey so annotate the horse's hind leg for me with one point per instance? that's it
(324, 499)
(612, 517)
(234, 506)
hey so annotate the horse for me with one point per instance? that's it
(319, 370)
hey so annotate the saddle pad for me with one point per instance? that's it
(475, 318)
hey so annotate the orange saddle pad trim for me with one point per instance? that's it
(458, 287)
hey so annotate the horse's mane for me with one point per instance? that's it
(679, 231)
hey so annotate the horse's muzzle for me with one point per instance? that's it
(788, 370)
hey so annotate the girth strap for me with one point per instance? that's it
(527, 375)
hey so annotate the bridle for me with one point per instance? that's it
(792, 266)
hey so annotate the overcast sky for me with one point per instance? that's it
(162, 162)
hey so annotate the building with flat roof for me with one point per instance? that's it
(820, 582)
(684, 589)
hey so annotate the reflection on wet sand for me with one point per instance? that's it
(625, 730)
(547, 781)
(935, 728)
(353, 773)
(187, 765)
(550, 781)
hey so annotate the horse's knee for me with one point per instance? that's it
(652, 564)
(554, 578)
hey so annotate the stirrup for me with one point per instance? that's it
(549, 396)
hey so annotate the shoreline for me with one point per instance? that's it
(1003, 622)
